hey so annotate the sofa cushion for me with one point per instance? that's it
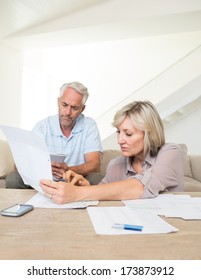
(106, 157)
(191, 185)
(196, 166)
(187, 164)
(6, 159)
(2, 184)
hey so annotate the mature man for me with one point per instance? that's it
(70, 133)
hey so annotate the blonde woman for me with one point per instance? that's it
(147, 166)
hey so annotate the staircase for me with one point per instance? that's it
(176, 92)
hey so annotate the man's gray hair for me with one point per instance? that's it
(78, 87)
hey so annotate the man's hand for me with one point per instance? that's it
(58, 169)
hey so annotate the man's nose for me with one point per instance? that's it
(68, 110)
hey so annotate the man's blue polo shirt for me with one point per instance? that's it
(84, 138)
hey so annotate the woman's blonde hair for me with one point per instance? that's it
(146, 118)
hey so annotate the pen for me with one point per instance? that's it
(128, 227)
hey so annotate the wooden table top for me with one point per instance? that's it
(59, 234)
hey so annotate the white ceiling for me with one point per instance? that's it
(39, 23)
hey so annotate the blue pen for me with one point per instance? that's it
(128, 227)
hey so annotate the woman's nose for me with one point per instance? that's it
(120, 138)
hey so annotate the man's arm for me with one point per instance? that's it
(92, 164)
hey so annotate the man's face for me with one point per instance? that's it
(70, 107)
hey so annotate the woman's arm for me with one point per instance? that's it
(167, 172)
(62, 192)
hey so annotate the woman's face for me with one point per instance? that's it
(130, 139)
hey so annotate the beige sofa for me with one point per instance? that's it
(192, 181)
(6, 162)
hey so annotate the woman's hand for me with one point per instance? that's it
(75, 179)
(59, 192)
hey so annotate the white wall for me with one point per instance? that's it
(10, 86)
(111, 71)
(187, 131)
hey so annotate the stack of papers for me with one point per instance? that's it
(146, 212)
(169, 205)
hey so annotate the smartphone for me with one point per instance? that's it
(17, 210)
(57, 158)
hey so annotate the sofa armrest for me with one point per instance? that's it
(195, 161)
(2, 184)
(6, 159)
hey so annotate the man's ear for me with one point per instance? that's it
(83, 107)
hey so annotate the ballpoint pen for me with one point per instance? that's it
(128, 227)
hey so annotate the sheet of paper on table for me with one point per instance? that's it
(170, 205)
(41, 201)
(103, 218)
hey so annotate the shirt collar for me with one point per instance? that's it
(148, 159)
(56, 129)
(79, 124)
(129, 167)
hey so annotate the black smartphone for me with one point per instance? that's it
(17, 210)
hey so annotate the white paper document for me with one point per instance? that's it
(33, 162)
(187, 209)
(103, 219)
(41, 201)
(30, 154)
(169, 205)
